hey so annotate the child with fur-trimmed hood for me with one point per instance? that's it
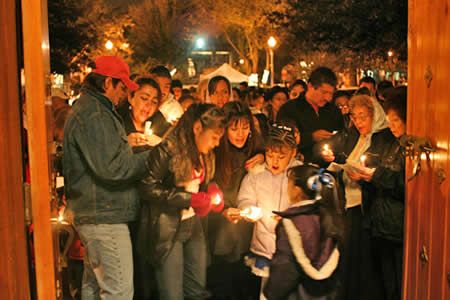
(307, 258)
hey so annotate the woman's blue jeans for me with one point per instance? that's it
(183, 274)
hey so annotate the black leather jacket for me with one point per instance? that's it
(162, 203)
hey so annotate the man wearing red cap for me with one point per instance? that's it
(101, 172)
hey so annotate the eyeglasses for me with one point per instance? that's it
(360, 117)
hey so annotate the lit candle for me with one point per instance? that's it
(363, 160)
(253, 213)
(148, 131)
(217, 199)
(171, 118)
(326, 150)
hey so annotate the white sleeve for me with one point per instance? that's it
(247, 192)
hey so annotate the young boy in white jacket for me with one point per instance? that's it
(264, 192)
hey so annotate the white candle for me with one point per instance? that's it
(253, 213)
(363, 160)
(147, 129)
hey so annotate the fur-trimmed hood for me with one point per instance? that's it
(318, 259)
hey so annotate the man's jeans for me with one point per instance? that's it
(108, 261)
(183, 274)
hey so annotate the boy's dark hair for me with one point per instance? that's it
(176, 84)
(275, 90)
(322, 75)
(363, 91)
(383, 87)
(368, 79)
(243, 83)
(396, 100)
(340, 93)
(161, 71)
(300, 82)
(186, 97)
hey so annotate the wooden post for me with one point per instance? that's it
(36, 63)
(14, 279)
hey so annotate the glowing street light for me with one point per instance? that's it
(390, 53)
(272, 42)
(200, 43)
(109, 45)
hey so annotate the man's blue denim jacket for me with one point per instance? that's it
(100, 169)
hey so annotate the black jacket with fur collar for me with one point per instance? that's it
(305, 265)
(163, 197)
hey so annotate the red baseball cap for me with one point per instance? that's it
(115, 67)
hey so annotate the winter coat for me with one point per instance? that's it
(163, 197)
(268, 192)
(305, 265)
(100, 170)
(388, 204)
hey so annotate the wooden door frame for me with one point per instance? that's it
(37, 89)
(14, 277)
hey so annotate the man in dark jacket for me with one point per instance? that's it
(316, 118)
(100, 175)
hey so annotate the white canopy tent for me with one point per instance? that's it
(233, 75)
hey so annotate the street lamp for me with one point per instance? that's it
(109, 45)
(200, 43)
(272, 42)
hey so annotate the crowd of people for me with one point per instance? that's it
(234, 192)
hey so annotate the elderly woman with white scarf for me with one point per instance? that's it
(355, 155)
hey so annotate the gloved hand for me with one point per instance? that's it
(201, 203)
(216, 194)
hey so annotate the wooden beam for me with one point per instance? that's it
(14, 279)
(37, 85)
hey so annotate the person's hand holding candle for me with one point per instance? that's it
(252, 213)
(327, 153)
(216, 195)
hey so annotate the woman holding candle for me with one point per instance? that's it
(264, 192)
(369, 139)
(176, 193)
(143, 103)
(240, 150)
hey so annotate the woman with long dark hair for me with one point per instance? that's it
(175, 194)
(141, 105)
(240, 150)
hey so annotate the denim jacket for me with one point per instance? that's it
(100, 169)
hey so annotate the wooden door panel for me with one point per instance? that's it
(427, 212)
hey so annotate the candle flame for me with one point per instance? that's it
(217, 199)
